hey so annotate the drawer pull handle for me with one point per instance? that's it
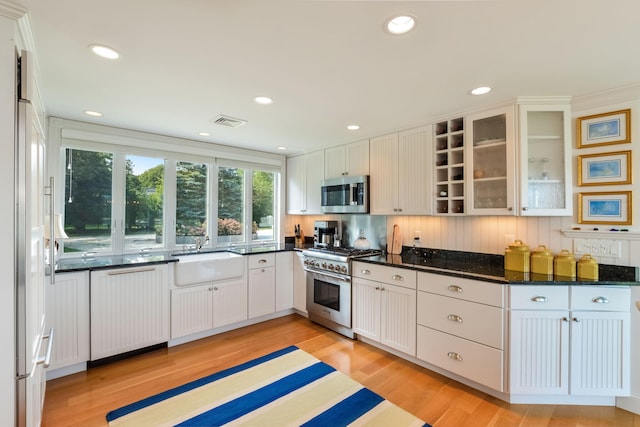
(455, 356)
(365, 271)
(262, 261)
(600, 300)
(454, 288)
(454, 318)
(539, 299)
(397, 277)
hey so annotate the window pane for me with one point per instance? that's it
(87, 213)
(191, 202)
(144, 203)
(263, 205)
(231, 205)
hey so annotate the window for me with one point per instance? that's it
(191, 202)
(144, 197)
(118, 202)
(87, 211)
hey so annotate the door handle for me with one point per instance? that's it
(45, 360)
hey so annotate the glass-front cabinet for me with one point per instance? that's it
(490, 172)
(545, 158)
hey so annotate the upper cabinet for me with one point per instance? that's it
(449, 167)
(535, 183)
(400, 173)
(545, 157)
(304, 178)
(490, 162)
(344, 160)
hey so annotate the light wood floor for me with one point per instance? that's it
(83, 399)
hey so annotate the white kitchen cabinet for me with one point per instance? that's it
(347, 160)
(129, 309)
(200, 308)
(545, 156)
(384, 305)
(284, 280)
(449, 167)
(262, 285)
(401, 173)
(67, 308)
(490, 162)
(461, 327)
(299, 283)
(304, 179)
(575, 342)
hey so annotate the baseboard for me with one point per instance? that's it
(631, 403)
(67, 370)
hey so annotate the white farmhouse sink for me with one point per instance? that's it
(208, 267)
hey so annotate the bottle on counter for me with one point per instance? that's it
(517, 257)
(542, 261)
(587, 267)
(564, 264)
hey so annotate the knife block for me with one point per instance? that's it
(300, 241)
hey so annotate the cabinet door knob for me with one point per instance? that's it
(509, 208)
(565, 319)
(454, 318)
(600, 300)
(575, 319)
(455, 356)
(454, 288)
(210, 288)
(215, 288)
(524, 208)
(539, 299)
(377, 288)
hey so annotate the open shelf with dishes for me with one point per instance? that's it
(449, 158)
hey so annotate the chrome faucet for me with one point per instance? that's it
(200, 241)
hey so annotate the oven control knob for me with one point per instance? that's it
(324, 265)
(317, 264)
(331, 267)
(344, 269)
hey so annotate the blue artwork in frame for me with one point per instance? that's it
(604, 129)
(605, 169)
(605, 208)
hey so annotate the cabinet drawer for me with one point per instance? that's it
(597, 298)
(466, 289)
(539, 297)
(380, 273)
(476, 322)
(262, 260)
(471, 360)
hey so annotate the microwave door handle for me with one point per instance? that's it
(354, 194)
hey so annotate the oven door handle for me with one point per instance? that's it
(332, 275)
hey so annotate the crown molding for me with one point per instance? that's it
(12, 10)
(618, 95)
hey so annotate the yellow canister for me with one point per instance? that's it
(542, 261)
(564, 264)
(517, 257)
(587, 268)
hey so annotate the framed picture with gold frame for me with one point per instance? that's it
(604, 168)
(604, 129)
(605, 208)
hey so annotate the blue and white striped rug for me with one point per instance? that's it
(286, 388)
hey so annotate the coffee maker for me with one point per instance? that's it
(324, 233)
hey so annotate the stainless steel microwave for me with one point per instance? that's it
(349, 194)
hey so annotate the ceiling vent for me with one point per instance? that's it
(232, 122)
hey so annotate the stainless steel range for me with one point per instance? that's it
(329, 285)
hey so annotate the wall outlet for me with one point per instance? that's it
(417, 235)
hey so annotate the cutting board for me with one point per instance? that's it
(396, 241)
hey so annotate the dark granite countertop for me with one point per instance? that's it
(490, 268)
(66, 265)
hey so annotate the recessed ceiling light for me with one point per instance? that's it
(104, 51)
(264, 100)
(281, 148)
(400, 24)
(353, 127)
(92, 113)
(480, 90)
(204, 134)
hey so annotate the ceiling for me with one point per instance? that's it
(325, 63)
